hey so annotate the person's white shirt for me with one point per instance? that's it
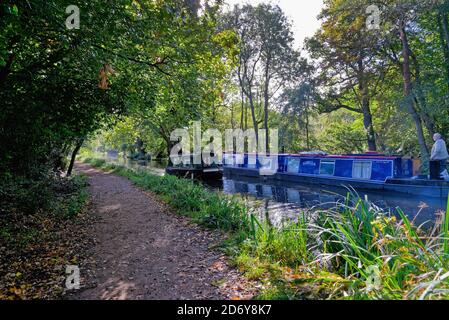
(439, 151)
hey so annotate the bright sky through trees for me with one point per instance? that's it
(302, 12)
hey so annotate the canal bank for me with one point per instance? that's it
(331, 254)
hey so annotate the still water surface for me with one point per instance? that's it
(282, 201)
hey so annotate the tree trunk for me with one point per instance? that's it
(306, 113)
(78, 145)
(366, 110)
(368, 123)
(169, 145)
(428, 121)
(246, 115)
(266, 102)
(253, 115)
(307, 131)
(243, 111)
(421, 100)
(408, 95)
(445, 26)
(444, 40)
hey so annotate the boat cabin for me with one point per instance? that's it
(367, 167)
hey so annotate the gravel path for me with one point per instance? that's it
(143, 251)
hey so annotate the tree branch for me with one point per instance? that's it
(155, 65)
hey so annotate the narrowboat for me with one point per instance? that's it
(393, 174)
(187, 170)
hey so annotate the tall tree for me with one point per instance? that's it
(350, 69)
(267, 59)
(299, 105)
(403, 26)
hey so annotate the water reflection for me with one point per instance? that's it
(282, 202)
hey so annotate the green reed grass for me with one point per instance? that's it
(446, 230)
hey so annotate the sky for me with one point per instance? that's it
(303, 14)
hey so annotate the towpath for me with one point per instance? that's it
(141, 250)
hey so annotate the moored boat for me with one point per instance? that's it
(361, 172)
(186, 169)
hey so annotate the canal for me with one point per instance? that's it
(281, 202)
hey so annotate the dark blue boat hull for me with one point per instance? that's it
(427, 188)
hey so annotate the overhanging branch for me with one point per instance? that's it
(155, 65)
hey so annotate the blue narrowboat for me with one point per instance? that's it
(362, 172)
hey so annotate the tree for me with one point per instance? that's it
(56, 84)
(267, 59)
(298, 104)
(405, 24)
(350, 70)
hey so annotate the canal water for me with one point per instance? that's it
(281, 202)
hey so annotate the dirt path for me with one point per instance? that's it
(143, 251)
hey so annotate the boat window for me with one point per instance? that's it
(293, 165)
(239, 159)
(327, 168)
(229, 160)
(266, 163)
(362, 170)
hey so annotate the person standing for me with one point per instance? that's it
(439, 151)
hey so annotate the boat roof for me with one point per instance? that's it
(369, 156)
(360, 156)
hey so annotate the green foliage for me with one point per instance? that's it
(156, 60)
(355, 88)
(139, 69)
(49, 88)
(268, 61)
(71, 200)
(342, 131)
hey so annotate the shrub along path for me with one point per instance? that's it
(144, 251)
